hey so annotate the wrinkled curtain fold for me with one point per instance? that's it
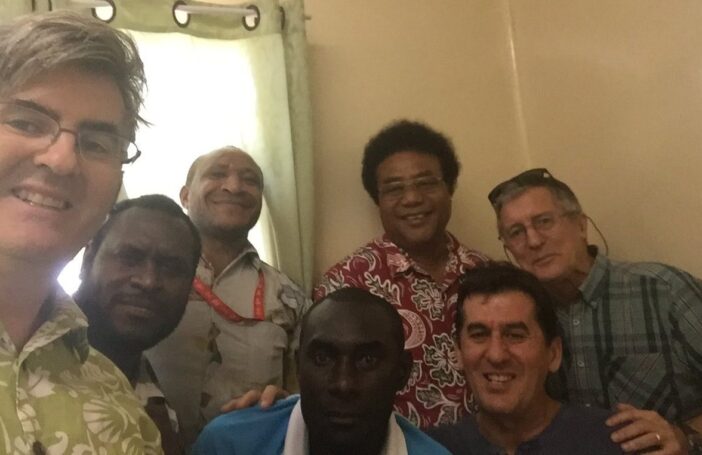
(282, 143)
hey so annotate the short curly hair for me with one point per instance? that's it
(406, 135)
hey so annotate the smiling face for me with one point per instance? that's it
(559, 253)
(504, 353)
(136, 288)
(416, 217)
(225, 195)
(350, 367)
(53, 200)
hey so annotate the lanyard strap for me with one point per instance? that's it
(223, 310)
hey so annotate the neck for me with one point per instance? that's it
(431, 256)
(127, 360)
(509, 431)
(221, 252)
(566, 289)
(24, 288)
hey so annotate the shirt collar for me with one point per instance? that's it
(594, 284)
(249, 251)
(399, 261)
(66, 321)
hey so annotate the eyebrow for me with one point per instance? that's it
(509, 326)
(394, 179)
(94, 125)
(328, 344)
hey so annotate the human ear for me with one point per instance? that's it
(184, 194)
(556, 354)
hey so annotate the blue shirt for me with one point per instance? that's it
(262, 432)
(575, 430)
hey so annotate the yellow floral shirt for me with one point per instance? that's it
(60, 396)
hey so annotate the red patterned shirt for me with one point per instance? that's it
(435, 392)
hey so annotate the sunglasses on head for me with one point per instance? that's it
(533, 177)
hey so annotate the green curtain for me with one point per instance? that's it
(284, 146)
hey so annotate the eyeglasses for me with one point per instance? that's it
(37, 130)
(516, 235)
(395, 190)
(532, 177)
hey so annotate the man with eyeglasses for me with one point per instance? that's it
(633, 331)
(70, 91)
(410, 172)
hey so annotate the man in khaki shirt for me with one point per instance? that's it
(240, 327)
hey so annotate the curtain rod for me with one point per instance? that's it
(191, 9)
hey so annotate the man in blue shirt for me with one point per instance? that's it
(509, 344)
(351, 363)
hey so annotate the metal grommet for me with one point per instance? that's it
(105, 13)
(181, 18)
(251, 22)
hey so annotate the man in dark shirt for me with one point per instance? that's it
(137, 273)
(508, 343)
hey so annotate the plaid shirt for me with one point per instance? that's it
(635, 336)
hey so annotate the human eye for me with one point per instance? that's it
(251, 180)
(515, 232)
(321, 357)
(477, 335)
(27, 122)
(544, 222)
(367, 361)
(173, 267)
(392, 190)
(100, 144)
(129, 257)
(516, 336)
(427, 183)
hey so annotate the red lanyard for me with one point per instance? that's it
(223, 310)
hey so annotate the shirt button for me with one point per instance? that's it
(576, 321)
(587, 405)
(580, 363)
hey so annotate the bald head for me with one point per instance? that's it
(223, 194)
(212, 155)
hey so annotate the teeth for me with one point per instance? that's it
(415, 217)
(42, 201)
(498, 377)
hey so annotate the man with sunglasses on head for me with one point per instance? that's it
(410, 172)
(70, 92)
(633, 331)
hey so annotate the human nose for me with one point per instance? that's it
(411, 194)
(61, 156)
(147, 276)
(343, 381)
(496, 350)
(534, 238)
(232, 183)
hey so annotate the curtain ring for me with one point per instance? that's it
(181, 18)
(255, 21)
(113, 12)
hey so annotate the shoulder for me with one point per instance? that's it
(417, 441)
(467, 256)
(663, 273)
(349, 272)
(287, 291)
(589, 424)
(242, 431)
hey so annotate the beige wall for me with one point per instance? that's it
(608, 95)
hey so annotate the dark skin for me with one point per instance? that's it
(350, 368)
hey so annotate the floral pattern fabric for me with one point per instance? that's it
(60, 396)
(435, 392)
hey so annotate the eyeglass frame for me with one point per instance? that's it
(530, 178)
(58, 130)
(401, 187)
(543, 231)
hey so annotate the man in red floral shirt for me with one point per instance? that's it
(410, 171)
